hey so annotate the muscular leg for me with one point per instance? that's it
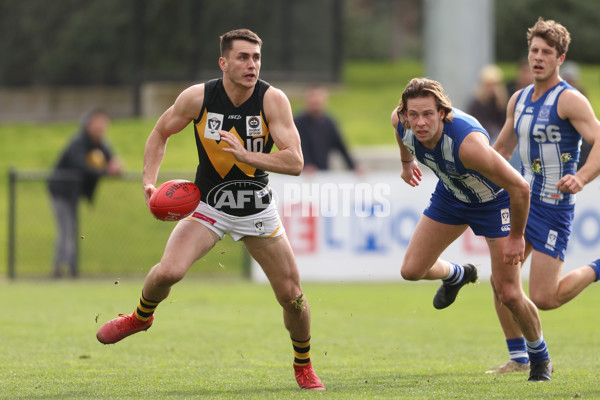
(188, 242)
(429, 240)
(507, 322)
(547, 290)
(277, 260)
(509, 289)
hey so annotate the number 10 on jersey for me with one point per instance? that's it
(256, 144)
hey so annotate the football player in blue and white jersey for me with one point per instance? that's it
(547, 121)
(477, 188)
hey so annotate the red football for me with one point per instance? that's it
(174, 200)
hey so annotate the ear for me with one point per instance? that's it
(223, 64)
(561, 59)
(442, 114)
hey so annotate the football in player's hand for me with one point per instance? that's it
(174, 200)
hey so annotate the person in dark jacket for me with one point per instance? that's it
(83, 162)
(319, 133)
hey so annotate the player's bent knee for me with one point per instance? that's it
(509, 296)
(410, 275)
(167, 275)
(544, 302)
(293, 301)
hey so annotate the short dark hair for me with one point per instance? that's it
(237, 34)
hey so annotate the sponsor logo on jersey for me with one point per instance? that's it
(234, 117)
(239, 195)
(528, 110)
(203, 217)
(253, 126)
(553, 195)
(214, 122)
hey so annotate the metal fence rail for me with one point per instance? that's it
(117, 234)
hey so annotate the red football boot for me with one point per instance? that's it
(121, 327)
(306, 377)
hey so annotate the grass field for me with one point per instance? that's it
(225, 340)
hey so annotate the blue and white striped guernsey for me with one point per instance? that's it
(464, 184)
(549, 146)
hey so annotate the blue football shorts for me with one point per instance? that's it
(549, 228)
(491, 219)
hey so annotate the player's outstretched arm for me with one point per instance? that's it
(288, 158)
(185, 109)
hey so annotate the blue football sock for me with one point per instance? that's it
(456, 274)
(596, 266)
(537, 350)
(517, 350)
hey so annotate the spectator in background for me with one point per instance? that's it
(319, 133)
(82, 163)
(523, 78)
(489, 103)
(569, 71)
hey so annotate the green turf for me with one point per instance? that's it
(225, 339)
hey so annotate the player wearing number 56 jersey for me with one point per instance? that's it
(547, 121)
(237, 119)
(548, 144)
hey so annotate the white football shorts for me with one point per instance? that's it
(263, 224)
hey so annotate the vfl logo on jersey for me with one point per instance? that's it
(551, 241)
(214, 122)
(253, 126)
(544, 114)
